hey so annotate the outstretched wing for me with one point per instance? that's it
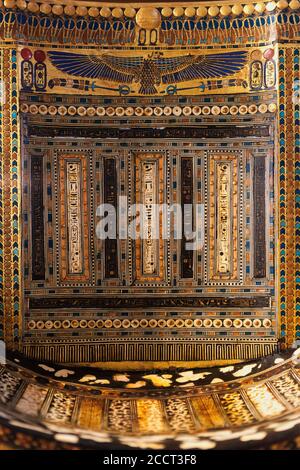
(104, 67)
(193, 67)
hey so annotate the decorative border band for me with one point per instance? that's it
(164, 351)
(149, 13)
(148, 111)
(153, 323)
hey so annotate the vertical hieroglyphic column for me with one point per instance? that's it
(149, 201)
(73, 174)
(259, 216)
(289, 216)
(10, 241)
(110, 197)
(223, 218)
(187, 186)
(37, 219)
(149, 247)
(73, 259)
(223, 209)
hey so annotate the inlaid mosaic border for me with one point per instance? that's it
(10, 242)
(289, 194)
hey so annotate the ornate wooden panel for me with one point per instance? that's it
(225, 215)
(150, 298)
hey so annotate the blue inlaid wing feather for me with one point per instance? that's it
(193, 67)
(104, 67)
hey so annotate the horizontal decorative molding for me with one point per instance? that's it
(257, 301)
(184, 132)
(158, 351)
(148, 111)
(150, 14)
(149, 25)
(178, 323)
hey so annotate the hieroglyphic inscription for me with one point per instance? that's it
(149, 195)
(37, 218)
(73, 208)
(223, 218)
(149, 302)
(74, 217)
(110, 197)
(149, 243)
(259, 217)
(187, 256)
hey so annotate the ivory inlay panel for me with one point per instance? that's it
(75, 260)
(149, 198)
(223, 223)
(149, 193)
(223, 218)
(74, 213)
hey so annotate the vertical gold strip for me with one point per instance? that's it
(207, 413)
(90, 415)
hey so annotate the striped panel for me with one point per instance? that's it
(207, 412)
(90, 414)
